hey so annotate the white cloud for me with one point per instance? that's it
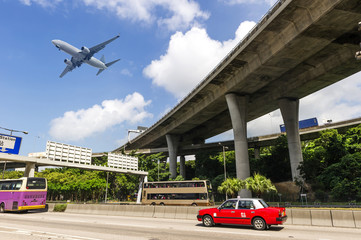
(126, 72)
(43, 3)
(173, 15)
(233, 2)
(340, 101)
(181, 13)
(189, 58)
(74, 126)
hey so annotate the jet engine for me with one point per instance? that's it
(85, 50)
(68, 62)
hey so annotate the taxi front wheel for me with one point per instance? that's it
(259, 223)
(208, 221)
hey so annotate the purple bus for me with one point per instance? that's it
(23, 194)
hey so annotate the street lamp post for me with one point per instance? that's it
(106, 189)
(11, 133)
(224, 163)
(158, 169)
(12, 130)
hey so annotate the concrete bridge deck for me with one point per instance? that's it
(45, 162)
(298, 48)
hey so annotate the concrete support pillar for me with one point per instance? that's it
(289, 109)
(237, 106)
(29, 170)
(142, 179)
(182, 166)
(257, 152)
(173, 143)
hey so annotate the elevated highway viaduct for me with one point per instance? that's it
(254, 142)
(298, 48)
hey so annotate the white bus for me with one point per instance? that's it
(186, 193)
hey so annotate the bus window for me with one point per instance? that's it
(5, 185)
(35, 183)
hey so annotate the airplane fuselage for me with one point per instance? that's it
(84, 55)
(77, 54)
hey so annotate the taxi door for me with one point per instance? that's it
(227, 213)
(246, 211)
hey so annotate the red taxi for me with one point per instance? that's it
(243, 211)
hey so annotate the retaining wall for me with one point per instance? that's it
(309, 217)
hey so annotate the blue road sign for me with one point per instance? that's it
(9, 144)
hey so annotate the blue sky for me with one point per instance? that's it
(166, 47)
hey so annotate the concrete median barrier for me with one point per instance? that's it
(159, 211)
(73, 208)
(117, 210)
(310, 217)
(321, 218)
(301, 217)
(357, 217)
(343, 218)
(170, 212)
(289, 217)
(50, 207)
(193, 212)
(96, 209)
(130, 210)
(148, 211)
(181, 212)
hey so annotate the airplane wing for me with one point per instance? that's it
(70, 68)
(66, 70)
(100, 46)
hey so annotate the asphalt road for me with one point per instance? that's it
(66, 226)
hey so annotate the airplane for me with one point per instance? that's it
(83, 55)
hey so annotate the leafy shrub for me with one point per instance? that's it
(60, 207)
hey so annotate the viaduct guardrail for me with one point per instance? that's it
(308, 217)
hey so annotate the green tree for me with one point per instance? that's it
(190, 169)
(178, 178)
(259, 184)
(321, 153)
(100, 161)
(207, 166)
(344, 178)
(150, 164)
(353, 139)
(231, 186)
(230, 162)
(12, 174)
(276, 165)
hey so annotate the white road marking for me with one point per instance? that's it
(19, 231)
(228, 232)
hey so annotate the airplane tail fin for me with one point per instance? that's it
(107, 64)
(102, 59)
